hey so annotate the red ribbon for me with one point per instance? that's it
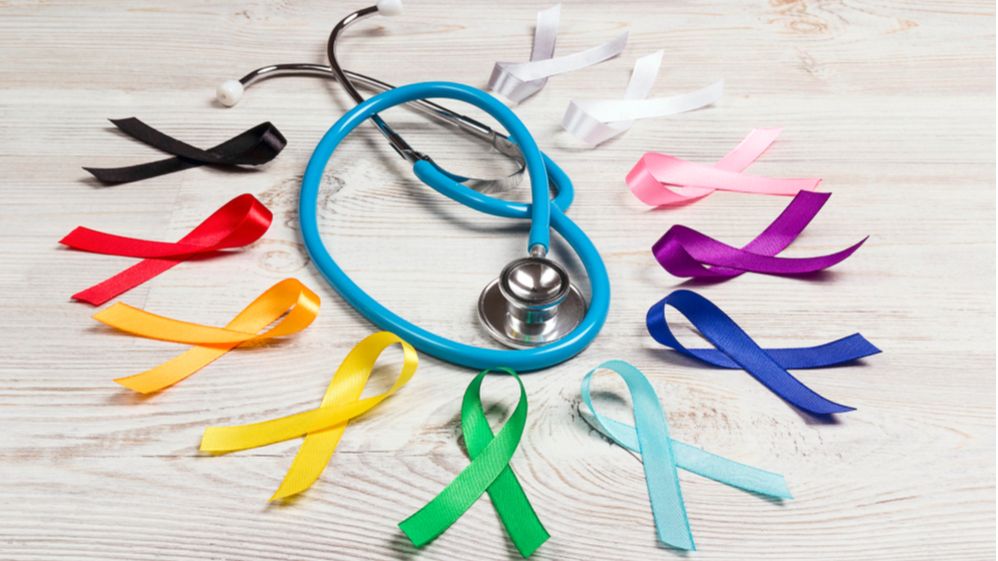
(238, 223)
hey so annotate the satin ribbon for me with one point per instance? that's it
(238, 223)
(323, 426)
(518, 81)
(660, 179)
(736, 350)
(488, 472)
(661, 455)
(684, 252)
(289, 303)
(595, 122)
(253, 147)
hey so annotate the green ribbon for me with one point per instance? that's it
(488, 471)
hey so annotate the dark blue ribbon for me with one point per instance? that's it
(735, 349)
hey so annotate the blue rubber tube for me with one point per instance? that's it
(543, 213)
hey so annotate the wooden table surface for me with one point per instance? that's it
(891, 102)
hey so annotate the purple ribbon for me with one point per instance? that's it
(684, 252)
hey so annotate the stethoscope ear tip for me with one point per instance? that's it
(389, 7)
(229, 92)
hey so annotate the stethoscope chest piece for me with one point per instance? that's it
(532, 303)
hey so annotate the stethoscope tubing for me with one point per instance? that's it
(543, 213)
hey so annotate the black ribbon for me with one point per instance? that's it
(253, 147)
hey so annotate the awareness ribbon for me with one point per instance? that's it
(488, 472)
(518, 81)
(655, 177)
(322, 427)
(238, 223)
(289, 303)
(685, 252)
(661, 455)
(596, 121)
(736, 350)
(253, 147)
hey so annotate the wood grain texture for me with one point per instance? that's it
(892, 102)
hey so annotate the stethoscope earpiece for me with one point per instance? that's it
(229, 92)
(389, 7)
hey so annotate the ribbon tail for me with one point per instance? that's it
(93, 241)
(426, 524)
(664, 493)
(517, 514)
(174, 370)
(700, 462)
(778, 380)
(730, 472)
(152, 326)
(138, 172)
(254, 435)
(311, 460)
(124, 281)
(750, 149)
(722, 257)
(834, 353)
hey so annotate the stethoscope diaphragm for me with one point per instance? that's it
(532, 303)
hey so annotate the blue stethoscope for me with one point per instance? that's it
(533, 306)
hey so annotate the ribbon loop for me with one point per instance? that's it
(655, 177)
(488, 471)
(322, 427)
(518, 81)
(596, 121)
(238, 223)
(289, 303)
(685, 252)
(253, 147)
(736, 350)
(661, 456)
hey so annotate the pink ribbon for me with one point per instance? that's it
(656, 177)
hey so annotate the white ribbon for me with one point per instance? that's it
(516, 81)
(595, 122)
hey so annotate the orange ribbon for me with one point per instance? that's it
(289, 298)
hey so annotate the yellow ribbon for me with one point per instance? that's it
(289, 298)
(322, 427)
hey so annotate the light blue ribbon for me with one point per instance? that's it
(661, 455)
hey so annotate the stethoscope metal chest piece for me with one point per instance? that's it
(532, 303)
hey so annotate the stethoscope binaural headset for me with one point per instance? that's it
(533, 306)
